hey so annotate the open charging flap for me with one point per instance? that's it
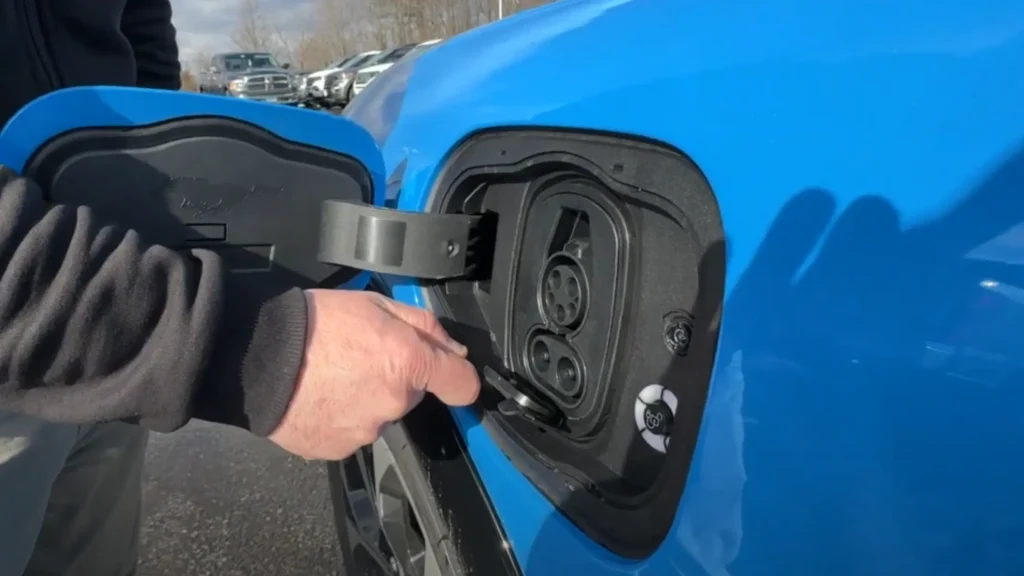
(247, 180)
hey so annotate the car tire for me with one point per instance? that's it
(387, 520)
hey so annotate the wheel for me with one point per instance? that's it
(388, 501)
(383, 526)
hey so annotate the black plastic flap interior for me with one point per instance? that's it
(213, 183)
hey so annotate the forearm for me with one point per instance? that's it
(96, 325)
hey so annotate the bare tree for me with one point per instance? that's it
(335, 20)
(199, 61)
(342, 27)
(312, 54)
(253, 33)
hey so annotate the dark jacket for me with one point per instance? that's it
(94, 324)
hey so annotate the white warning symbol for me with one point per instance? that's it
(655, 410)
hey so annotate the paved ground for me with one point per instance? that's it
(219, 502)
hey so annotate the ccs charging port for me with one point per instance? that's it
(596, 328)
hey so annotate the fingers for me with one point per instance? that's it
(423, 321)
(448, 376)
(451, 378)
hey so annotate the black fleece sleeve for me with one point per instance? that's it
(95, 325)
(147, 26)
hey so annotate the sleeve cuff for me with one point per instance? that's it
(259, 353)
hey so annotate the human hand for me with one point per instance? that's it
(369, 361)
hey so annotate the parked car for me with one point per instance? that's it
(299, 79)
(251, 76)
(370, 73)
(337, 92)
(345, 87)
(319, 83)
(313, 86)
(365, 76)
(422, 47)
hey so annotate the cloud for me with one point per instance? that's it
(205, 26)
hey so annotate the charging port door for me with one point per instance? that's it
(247, 180)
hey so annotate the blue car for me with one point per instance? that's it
(744, 281)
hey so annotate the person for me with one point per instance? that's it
(103, 336)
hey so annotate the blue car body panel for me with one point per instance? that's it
(110, 107)
(868, 160)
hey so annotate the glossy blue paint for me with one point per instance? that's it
(49, 116)
(868, 158)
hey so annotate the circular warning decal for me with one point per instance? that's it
(655, 411)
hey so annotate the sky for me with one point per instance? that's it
(206, 25)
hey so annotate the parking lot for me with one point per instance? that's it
(220, 502)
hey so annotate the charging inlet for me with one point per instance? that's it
(595, 330)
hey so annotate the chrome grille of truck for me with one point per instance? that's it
(267, 84)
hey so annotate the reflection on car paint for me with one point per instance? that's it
(863, 412)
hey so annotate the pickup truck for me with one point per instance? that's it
(251, 76)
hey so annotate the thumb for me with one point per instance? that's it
(426, 322)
